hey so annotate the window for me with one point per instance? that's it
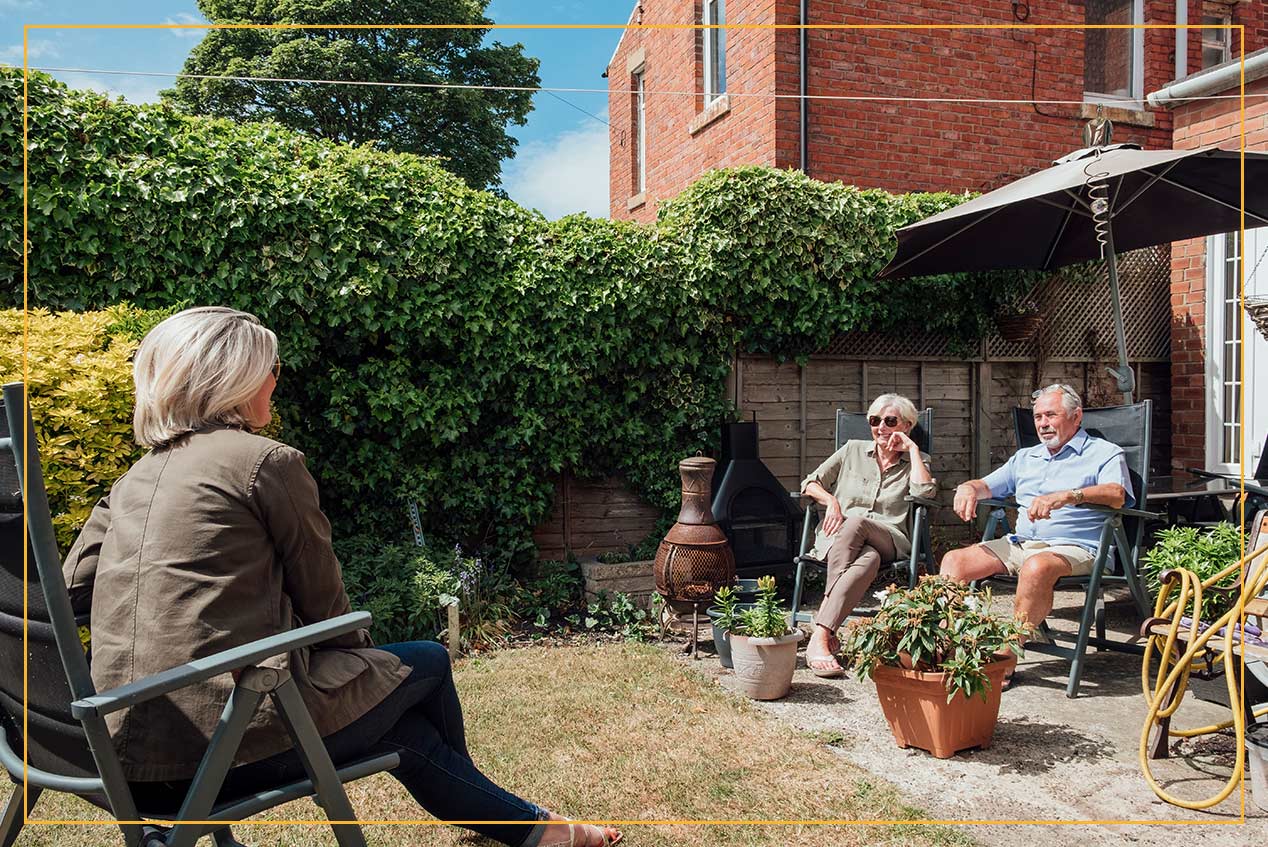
(714, 50)
(1113, 59)
(1217, 44)
(640, 132)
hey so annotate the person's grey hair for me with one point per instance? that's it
(1070, 399)
(198, 367)
(906, 408)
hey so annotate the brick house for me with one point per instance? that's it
(1207, 331)
(683, 101)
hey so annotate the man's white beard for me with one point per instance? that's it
(1051, 440)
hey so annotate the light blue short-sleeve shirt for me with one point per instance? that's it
(1034, 471)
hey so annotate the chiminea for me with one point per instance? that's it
(695, 558)
(755, 512)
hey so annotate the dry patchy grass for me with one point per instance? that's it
(615, 731)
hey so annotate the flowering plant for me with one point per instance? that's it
(940, 626)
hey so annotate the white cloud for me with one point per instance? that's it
(565, 175)
(186, 18)
(134, 89)
(12, 53)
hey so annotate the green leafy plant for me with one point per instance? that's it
(551, 589)
(1205, 553)
(613, 557)
(940, 626)
(618, 614)
(767, 618)
(725, 608)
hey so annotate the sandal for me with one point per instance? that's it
(582, 835)
(831, 670)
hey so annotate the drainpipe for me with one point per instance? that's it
(803, 107)
(1182, 39)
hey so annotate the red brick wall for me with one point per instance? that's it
(1199, 125)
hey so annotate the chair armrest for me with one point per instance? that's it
(922, 501)
(234, 658)
(1199, 472)
(1123, 511)
(797, 495)
(996, 503)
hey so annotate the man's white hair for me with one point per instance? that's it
(1070, 399)
(201, 366)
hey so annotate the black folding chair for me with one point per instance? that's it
(1256, 498)
(854, 426)
(68, 747)
(1122, 534)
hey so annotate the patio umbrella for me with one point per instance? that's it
(1087, 205)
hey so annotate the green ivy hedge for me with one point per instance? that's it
(441, 343)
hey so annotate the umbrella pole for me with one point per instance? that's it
(1123, 373)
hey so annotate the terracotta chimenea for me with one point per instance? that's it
(695, 559)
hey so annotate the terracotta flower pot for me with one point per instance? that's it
(915, 705)
(764, 666)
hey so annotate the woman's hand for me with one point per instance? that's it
(833, 519)
(901, 442)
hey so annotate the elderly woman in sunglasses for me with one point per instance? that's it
(862, 489)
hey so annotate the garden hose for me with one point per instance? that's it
(1174, 668)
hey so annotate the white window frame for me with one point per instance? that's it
(713, 40)
(1225, 20)
(640, 130)
(1218, 428)
(1137, 96)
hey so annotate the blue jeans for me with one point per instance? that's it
(421, 721)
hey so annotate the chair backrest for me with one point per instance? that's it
(55, 739)
(1261, 467)
(1130, 427)
(853, 425)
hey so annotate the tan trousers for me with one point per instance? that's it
(853, 561)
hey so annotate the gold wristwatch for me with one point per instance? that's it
(1078, 496)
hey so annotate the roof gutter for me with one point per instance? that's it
(1217, 79)
(803, 108)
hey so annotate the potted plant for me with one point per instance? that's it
(763, 646)
(938, 656)
(1203, 552)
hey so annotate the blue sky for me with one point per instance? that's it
(561, 166)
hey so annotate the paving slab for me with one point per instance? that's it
(1063, 761)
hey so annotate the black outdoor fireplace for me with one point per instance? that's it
(760, 519)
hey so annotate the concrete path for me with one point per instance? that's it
(1053, 759)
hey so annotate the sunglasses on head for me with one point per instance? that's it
(890, 421)
(1056, 386)
(277, 370)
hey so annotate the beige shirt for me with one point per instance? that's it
(206, 545)
(853, 477)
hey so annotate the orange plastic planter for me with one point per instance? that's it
(915, 704)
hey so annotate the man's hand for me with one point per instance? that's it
(833, 518)
(1043, 506)
(965, 503)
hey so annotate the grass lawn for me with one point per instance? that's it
(613, 732)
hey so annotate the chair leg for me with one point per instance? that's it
(1085, 620)
(223, 837)
(796, 598)
(14, 815)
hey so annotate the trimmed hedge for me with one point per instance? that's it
(443, 344)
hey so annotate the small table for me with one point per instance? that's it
(1191, 500)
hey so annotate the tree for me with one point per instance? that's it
(466, 126)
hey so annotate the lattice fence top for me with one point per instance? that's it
(1078, 325)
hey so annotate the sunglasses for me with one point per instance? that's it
(277, 370)
(890, 421)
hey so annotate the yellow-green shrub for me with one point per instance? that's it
(79, 379)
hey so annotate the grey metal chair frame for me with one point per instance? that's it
(1117, 552)
(206, 815)
(854, 426)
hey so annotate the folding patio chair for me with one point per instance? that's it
(1121, 540)
(854, 426)
(63, 716)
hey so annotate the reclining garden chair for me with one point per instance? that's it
(1122, 534)
(853, 426)
(61, 718)
(1186, 646)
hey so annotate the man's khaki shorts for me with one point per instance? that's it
(1014, 553)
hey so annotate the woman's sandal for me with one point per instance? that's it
(833, 670)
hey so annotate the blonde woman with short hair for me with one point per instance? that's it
(862, 488)
(215, 538)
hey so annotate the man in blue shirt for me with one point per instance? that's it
(1054, 538)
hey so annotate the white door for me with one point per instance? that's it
(1227, 420)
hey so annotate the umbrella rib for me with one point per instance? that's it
(1115, 212)
(1076, 198)
(1262, 220)
(1052, 248)
(940, 242)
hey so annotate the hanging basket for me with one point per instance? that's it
(1018, 327)
(1257, 311)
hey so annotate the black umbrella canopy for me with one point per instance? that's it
(1045, 220)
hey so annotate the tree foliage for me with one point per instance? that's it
(467, 127)
(442, 344)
